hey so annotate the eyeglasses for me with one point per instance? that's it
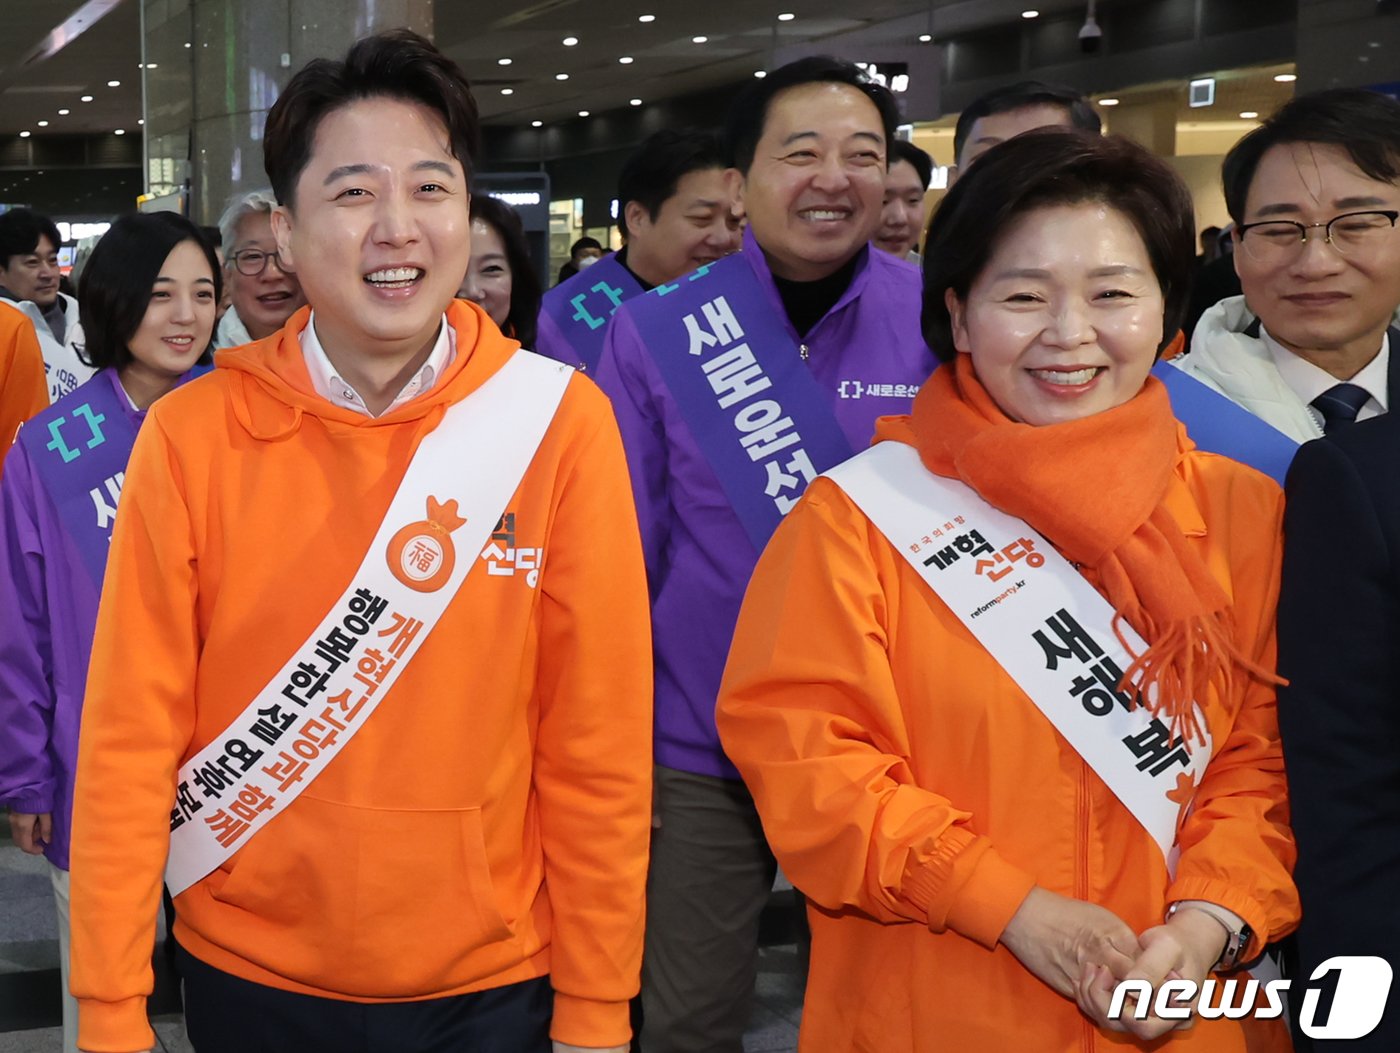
(252, 262)
(1351, 234)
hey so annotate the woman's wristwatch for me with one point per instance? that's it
(1238, 934)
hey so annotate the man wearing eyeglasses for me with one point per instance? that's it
(262, 296)
(1315, 194)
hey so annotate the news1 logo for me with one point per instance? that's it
(1359, 987)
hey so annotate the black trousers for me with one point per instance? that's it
(226, 1014)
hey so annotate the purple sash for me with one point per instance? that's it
(763, 422)
(574, 315)
(79, 448)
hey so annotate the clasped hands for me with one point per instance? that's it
(1082, 951)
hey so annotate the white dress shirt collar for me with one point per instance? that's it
(336, 390)
(1309, 381)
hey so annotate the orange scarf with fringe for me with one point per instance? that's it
(1094, 488)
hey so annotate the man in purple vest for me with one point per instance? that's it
(676, 212)
(734, 387)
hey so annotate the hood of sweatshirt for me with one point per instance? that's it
(272, 394)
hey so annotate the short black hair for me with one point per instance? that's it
(650, 176)
(1364, 123)
(748, 113)
(525, 292)
(904, 150)
(1019, 96)
(1047, 167)
(584, 242)
(117, 281)
(397, 64)
(20, 231)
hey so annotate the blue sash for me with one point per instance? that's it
(1220, 426)
(760, 418)
(576, 313)
(79, 449)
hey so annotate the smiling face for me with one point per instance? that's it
(378, 229)
(903, 211)
(263, 301)
(179, 318)
(1065, 319)
(1319, 302)
(488, 280)
(812, 195)
(693, 227)
(34, 275)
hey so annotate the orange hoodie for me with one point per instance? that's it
(914, 794)
(489, 824)
(23, 391)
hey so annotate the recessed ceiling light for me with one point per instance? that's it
(1248, 115)
(507, 91)
(114, 84)
(150, 65)
(43, 124)
(537, 124)
(503, 62)
(141, 120)
(1286, 78)
(1030, 14)
(646, 18)
(760, 73)
(1108, 102)
(561, 76)
(119, 131)
(626, 60)
(786, 16)
(925, 38)
(188, 44)
(85, 98)
(583, 113)
(570, 41)
(636, 102)
(698, 40)
(64, 113)
(24, 135)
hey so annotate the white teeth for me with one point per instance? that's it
(823, 214)
(1059, 376)
(394, 274)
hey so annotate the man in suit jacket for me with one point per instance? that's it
(1339, 646)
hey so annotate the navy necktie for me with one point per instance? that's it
(1339, 405)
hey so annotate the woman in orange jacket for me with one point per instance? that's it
(986, 853)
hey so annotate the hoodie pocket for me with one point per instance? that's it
(366, 902)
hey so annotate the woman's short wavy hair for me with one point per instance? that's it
(1044, 168)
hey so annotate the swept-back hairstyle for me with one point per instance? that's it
(1364, 123)
(650, 176)
(1020, 95)
(117, 281)
(397, 64)
(748, 113)
(1047, 167)
(246, 204)
(525, 292)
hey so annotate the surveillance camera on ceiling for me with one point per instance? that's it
(1090, 36)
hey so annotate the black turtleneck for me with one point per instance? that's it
(807, 303)
(621, 257)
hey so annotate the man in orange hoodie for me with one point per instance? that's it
(22, 390)
(406, 807)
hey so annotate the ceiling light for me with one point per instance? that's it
(119, 131)
(114, 84)
(760, 73)
(188, 44)
(925, 38)
(786, 16)
(537, 124)
(503, 62)
(698, 40)
(64, 113)
(24, 135)
(85, 98)
(43, 124)
(626, 60)
(646, 18)
(1030, 14)
(570, 41)
(636, 102)
(583, 113)
(561, 76)
(507, 91)
(1286, 78)
(141, 120)
(1248, 115)
(1108, 102)
(150, 65)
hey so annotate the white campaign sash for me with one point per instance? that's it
(1038, 617)
(462, 476)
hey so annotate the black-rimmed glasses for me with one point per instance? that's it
(252, 262)
(1351, 233)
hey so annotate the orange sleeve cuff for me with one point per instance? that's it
(114, 1027)
(589, 1023)
(983, 906)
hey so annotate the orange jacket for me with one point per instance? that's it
(915, 794)
(23, 390)
(489, 824)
